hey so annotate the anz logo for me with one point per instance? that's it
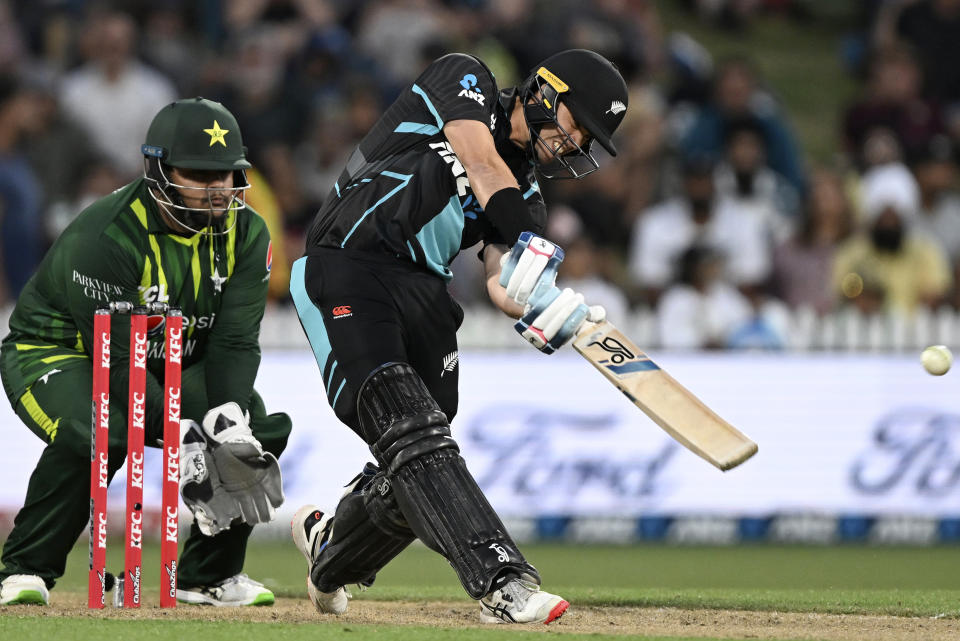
(470, 89)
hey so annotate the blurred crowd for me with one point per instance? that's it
(711, 215)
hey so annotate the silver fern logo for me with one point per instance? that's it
(449, 362)
(616, 107)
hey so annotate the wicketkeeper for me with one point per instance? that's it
(452, 162)
(180, 235)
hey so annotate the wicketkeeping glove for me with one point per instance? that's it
(553, 317)
(531, 263)
(213, 508)
(247, 473)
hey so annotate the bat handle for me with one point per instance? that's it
(587, 327)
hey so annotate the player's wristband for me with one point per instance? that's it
(509, 214)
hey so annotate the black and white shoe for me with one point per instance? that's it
(521, 601)
(311, 530)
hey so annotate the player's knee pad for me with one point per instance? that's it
(438, 498)
(368, 531)
(399, 419)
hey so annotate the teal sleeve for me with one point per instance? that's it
(233, 351)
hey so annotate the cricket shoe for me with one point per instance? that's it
(521, 601)
(311, 530)
(235, 591)
(23, 589)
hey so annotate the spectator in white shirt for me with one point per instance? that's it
(698, 216)
(702, 310)
(744, 177)
(114, 96)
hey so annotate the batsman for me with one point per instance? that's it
(181, 235)
(452, 163)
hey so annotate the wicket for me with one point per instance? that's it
(136, 413)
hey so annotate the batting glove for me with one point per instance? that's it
(531, 263)
(553, 317)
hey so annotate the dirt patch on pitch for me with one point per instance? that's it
(580, 620)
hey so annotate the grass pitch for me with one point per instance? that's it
(616, 592)
(900, 581)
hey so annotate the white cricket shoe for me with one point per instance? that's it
(24, 589)
(521, 601)
(311, 530)
(235, 591)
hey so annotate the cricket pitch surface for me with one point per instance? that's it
(627, 621)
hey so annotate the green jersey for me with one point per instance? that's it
(119, 249)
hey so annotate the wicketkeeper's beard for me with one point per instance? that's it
(211, 220)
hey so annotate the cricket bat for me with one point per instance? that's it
(671, 406)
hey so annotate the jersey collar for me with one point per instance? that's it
(504, 107)
(154, 223)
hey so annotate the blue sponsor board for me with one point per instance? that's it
(853, 529)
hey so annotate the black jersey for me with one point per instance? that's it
(405, 193)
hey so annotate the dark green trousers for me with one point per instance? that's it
(57, 506)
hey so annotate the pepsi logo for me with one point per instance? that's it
(155, 324)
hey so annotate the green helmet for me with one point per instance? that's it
(198, 134)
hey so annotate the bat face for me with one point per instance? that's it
(662, 398)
